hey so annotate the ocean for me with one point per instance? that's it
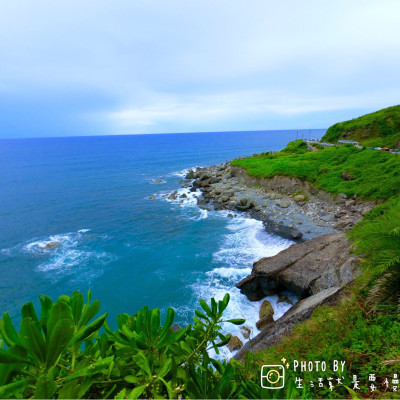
(89, 197)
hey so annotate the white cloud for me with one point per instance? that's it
(204, 111)
(182, 63)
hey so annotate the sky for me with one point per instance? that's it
(77, 68)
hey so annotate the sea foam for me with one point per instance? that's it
(245, 243)
(65, 254)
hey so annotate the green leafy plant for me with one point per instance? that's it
(63, 354)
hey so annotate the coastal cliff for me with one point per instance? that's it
(316, 267)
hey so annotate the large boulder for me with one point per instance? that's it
(266, 315)
(305, 268)
(265, 309)
(263, 322)
(274, 332)
(234, 343)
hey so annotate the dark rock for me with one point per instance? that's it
(347, 176)
(297, 269)
(277, 330)
(244, 204)
(282, 298)
(264, 321)
(196, 184)
(265, 309)
(214, 179)
(176, 327)
(234, 343)
(204, 177)
(55, 244)
(295, 234)
(190, 175)
(229, 193)
(245, 331)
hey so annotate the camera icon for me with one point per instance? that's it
(272, 376)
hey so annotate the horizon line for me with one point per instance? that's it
(165, 133)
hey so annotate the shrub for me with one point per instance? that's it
(63, 354)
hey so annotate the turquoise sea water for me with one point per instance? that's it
(91, 194)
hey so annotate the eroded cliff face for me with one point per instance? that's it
(305, 268)
(316, 270)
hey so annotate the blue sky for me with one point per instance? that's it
(123, 67)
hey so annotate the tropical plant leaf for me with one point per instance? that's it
(59, 337)
(45, 388)
(135, 393)
(12, 389)
(32, 338)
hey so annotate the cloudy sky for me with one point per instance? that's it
(154, 66)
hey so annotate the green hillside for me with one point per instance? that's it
(380, 128)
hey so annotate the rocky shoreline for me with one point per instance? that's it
(316, 267)
(288, 207)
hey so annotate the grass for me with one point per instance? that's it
(369, 343)
(376, 173)
(361, 330)
(380, 128)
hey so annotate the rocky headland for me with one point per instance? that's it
(316, 267)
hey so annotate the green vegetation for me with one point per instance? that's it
(380, 128)
(295, 147)
(62, 354)
(67, 352)
(369, 343)
(376, 173)
(364, 328)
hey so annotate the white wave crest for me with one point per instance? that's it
(65, 254)
(246, 242)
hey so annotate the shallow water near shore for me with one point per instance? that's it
(75, 214)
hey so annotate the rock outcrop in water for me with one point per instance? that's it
(277, 330)
(304, 269)
(316, 270)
